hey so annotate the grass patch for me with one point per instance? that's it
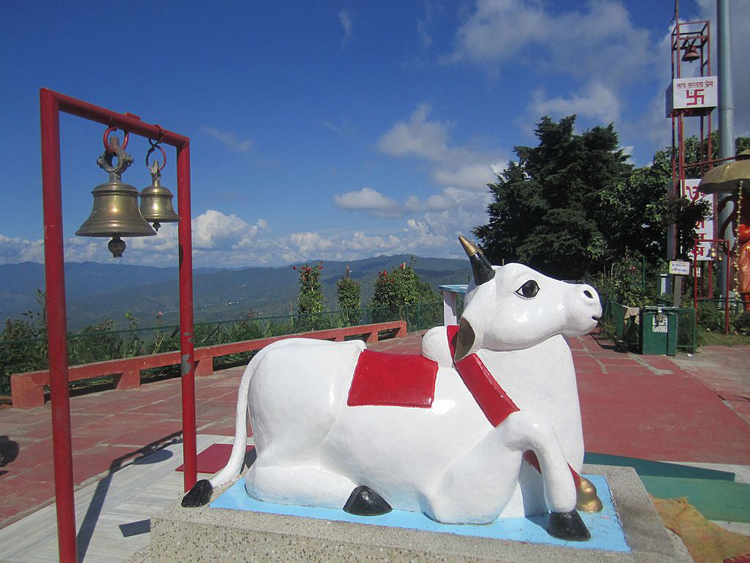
(710, 338)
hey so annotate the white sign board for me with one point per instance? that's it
(679, 268)
(700, 94)
(705, 229)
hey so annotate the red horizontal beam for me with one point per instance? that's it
(124, 121)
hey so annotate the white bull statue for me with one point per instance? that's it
(485, 423)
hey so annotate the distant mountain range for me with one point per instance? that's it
(96, 291)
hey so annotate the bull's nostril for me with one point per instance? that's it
(588, 294)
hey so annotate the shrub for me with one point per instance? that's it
(348, 292)
(311, 298)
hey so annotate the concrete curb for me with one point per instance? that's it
(203, 534)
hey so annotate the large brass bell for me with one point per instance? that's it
(115, 213)
(156, 200)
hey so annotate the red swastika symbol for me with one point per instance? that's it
(695, 97)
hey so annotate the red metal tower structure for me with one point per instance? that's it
(692, 96)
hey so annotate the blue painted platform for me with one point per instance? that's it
(605, 527)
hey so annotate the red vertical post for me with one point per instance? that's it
(187, 344)
(54, 271)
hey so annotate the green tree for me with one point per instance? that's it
(635, 215)
(544, 209)
(396, 290)
(311, 299)
(696, 152)
(23, 345)
(349, 296)
(572, 206)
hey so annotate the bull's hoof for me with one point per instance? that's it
(365, 502)
(567, 526)
(199, 495)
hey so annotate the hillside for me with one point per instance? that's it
(99, 291)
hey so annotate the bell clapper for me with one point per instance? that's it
(116, 246)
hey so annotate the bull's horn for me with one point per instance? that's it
(480, 266)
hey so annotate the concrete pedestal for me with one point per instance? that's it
(213, 534)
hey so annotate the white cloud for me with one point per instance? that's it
(598, 41)
(213, 229)
(420, 236)
(15, 250)
(346, 22)
(596, 102)
(437, 202)
(459, 166)
(368, 200)
(471, 176)
(344, 131)
(221, 240)
(593, 59)
(498, 30)
(424, 34)
(417, 136)
(229, 140)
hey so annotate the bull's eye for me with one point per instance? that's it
(528, 290)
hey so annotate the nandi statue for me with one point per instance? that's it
(484, 423)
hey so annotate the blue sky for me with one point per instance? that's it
(326, 130)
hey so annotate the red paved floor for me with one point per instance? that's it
(640, 406)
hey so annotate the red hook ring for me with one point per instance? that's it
(152, 149)
(160, 139)
(107, 146)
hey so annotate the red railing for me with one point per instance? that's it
(27, 389)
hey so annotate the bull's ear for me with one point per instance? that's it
(464, 340)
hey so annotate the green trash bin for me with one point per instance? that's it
(659, 331)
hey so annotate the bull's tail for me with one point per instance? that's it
(201, 492)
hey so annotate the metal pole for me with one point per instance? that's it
(695, 275)
(54, 271)
(187, 358)
(728, 289)
(726, 129)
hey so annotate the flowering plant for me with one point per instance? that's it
(311, 299)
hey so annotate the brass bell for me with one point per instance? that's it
(156, 200)
(115, 213)
(691, 54)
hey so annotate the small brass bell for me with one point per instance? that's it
(115, 213)
(587, 497)
(156, 200)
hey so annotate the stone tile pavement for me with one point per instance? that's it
(693, 409)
